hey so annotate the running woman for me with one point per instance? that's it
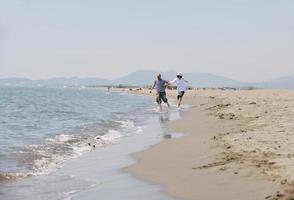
(179, 81)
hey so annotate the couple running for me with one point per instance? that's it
(161, 84)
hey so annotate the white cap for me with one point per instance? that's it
(179, 74)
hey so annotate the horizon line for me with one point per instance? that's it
(107, 79)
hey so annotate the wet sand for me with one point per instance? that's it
(239, 146)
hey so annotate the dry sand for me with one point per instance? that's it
(240, 146)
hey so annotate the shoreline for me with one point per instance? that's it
(99, 172)
(235, 145)
(208, 165)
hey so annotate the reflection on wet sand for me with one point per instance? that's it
(164, 117)
(167, 116)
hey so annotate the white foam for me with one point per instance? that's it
(112, 135)
(139, 130)
(127, 124)
(80, 150)
(61, 138)
(47, 165)
(50, 163)
(108, 138)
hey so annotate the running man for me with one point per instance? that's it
(181, 87)
(160, 85)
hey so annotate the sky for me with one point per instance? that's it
(246, 40)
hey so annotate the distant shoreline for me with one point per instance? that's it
(142, 78)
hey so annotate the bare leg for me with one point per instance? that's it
(167, 104)
(160, 107)
(179, 102)
(158, 100)
(165, 100)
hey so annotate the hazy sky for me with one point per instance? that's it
(249, 40)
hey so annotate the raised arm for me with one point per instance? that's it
(173, 81)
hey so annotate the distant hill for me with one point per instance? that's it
(16, 82)
(210, 80)
(146, 77)
(283, 82)
(143, 77)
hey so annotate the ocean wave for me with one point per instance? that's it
(111, 137)
(58, 127)
(45, 158)
(47, 165)
(129, 127)
(50, 156)
(127, 123)
(61, 138)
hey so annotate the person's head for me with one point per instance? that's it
(158, 76)
(179, 75)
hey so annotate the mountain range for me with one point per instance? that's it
(146, 77)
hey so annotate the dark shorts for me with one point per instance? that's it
(161, 96)
(180, 95)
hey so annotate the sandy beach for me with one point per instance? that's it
(239, 145)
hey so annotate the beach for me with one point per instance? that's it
(238, 145)
(222, 144)
(146, 100)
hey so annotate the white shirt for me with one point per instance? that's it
(181, 87)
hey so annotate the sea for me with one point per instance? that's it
(75, 143)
